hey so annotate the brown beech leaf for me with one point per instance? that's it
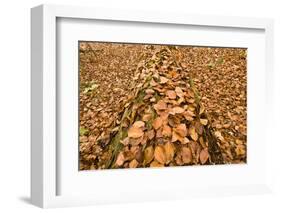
(170, 151)
(204, 122)
(148, 155)
(159, 154)
(149, 91)
(181, 130)
(171, 94)
(157, 123)
(161, 105)
(193, 133)
(163, 80)
(176, 137)
(139, 124)
(133, 164)
(120, 159)
(186, 155)
(204, 155)
(150, 134)
(146, 117)
(135, 132)
(156, 164)
(176, 110)
(166, 131)
(179, 92)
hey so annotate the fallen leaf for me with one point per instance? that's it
(179, 92)
(135, 132)
(163, 80)
(176, 110)
(193, 133)
(139, 124)
(159, 154)
(181, 130)
(186, 155)
(176, 137)
(204, 155)
(161, 105)
(170, 151)
(157, 123)
(166, 131)
(156, 164)
(133, 164)
(149, 91)
(125, 141)
(150, 134)
(148, 155)
(120, 159)
(171, 94)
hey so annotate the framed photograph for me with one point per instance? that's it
(129, 106)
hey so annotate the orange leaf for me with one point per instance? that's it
(135, 132)
(159, 154)
(181, 130)
(170, 151)
(157, 123)
(148, 155)
(167, 131)
(193, 133)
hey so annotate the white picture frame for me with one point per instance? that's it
(46, 170)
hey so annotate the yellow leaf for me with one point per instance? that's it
(159, 154)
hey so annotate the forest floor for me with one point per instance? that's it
(156, 105)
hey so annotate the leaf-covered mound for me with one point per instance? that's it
(162, 123)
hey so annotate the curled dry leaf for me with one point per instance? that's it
(170, 151)
(135, 132)
(204, 155)
(181, 130)
(171, 94)
(204, 122)
(159, 154)
(219, 135)
(148, 155)
(193, 133)
(186, 155)
(133, 164)
(156, 164)
(166, 131)
(157, 123)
